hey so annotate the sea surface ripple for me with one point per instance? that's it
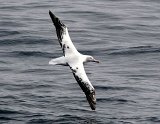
(123, 34)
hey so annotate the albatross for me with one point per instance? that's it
(72, 58)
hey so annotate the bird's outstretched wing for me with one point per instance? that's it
(63, 36)
(83, 81)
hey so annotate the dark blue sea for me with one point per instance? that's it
(123, 34)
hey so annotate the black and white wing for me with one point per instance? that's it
(63, 36)
(83, 81)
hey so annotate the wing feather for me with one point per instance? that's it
(83, 81)
(63, 36)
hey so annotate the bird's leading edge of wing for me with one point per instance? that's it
(63, 36)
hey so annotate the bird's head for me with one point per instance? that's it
(91, 59)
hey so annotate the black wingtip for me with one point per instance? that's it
(91, 100)
(56, 21)
(50, 13)
(53, 17)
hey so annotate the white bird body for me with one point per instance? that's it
(74, 60)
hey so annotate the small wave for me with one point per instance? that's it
(91, 52)
(35, 70)
(114, 100)
(153, 119)
(73, 119)
(24, 40)
(6, 118)
(3, 112)
(135, 50)
(9, 23)
(112, 88)
(69, 116)
(8, 33)
(27, 54)
(2, 69)
(40, 121)
(116, 88)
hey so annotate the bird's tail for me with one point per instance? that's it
(91, 99)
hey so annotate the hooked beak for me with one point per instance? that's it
(97, 61)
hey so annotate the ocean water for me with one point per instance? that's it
(123, 34)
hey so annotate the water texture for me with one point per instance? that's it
(123, 34)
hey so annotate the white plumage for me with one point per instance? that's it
(74, 60)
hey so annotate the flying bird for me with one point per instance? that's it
(72, 58)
